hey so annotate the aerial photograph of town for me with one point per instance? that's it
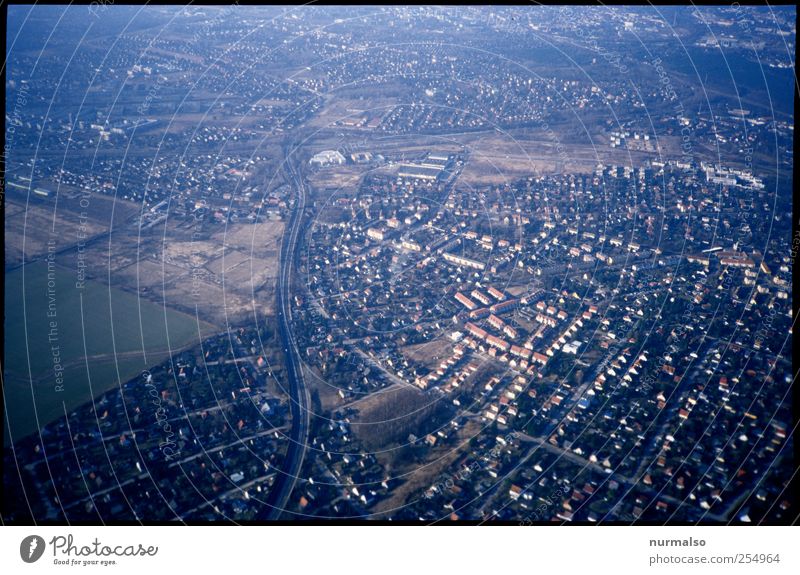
(472, 265)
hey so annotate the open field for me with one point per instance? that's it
(346, 107)
(215, 275)
(429, 353)
(75, 210)
(114, 333)
(419, 477)
(498, 159)
(29, 227)
(337, 177)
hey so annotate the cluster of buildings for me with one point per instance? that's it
(197, 437)
(591, 344)
(596, 347)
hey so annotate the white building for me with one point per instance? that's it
(327, 158)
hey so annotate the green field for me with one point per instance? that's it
(140, 336)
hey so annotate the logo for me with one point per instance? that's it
(31, 549)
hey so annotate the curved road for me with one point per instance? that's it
(298, 393)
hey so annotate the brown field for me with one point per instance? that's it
(70, 206)
(387, 417)
(33, 227)
(260, 239)
(499, 159)
(421, 476)
(329, 399)
(429, 353)
(227, 261)
(337, 177)
(251, 274)
(344, 108)
(148, 273)
(189, 274)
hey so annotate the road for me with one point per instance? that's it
(298, 393)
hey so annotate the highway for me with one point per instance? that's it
(298, 393)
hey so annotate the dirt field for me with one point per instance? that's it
(345, 109)
(225, 276)
(498, 159)
(33, 226)
(419, 477)
(430, 353)
(262, 239)
(329, 399)
(388, 417)
(337, 177)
